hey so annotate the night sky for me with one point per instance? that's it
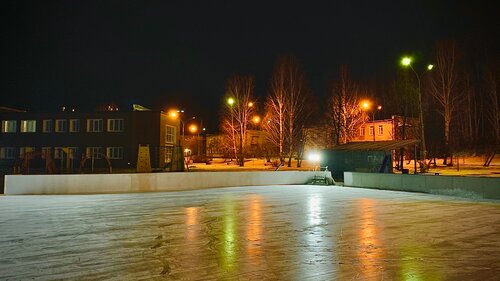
(163, 54)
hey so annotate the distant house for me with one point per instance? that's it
(70, 137)
(217, 146)
(395, 128)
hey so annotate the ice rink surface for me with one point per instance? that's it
(250, 233)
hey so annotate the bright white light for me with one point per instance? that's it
(314, 156)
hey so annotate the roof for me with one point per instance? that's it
(9, 109)
(374, 145)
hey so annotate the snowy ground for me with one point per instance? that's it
(250, 233)
(467, 166)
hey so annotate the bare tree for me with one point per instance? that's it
(238, 109)
(296, 102)
(344, 108)
(468, 119)
(492, 110)
(286, 107)
(274, 120)
(404, 102)
(444, 84)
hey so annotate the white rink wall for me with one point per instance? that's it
(468, 187)
(148, 182)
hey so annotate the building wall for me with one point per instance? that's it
(355, 161)
(139, 127)
(382, 130)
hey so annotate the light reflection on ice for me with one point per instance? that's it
(369, 248)
(314, 203)
(249, 233)
(192, 223)
(228, 253)
(254, 229)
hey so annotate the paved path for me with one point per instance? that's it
(250, 233)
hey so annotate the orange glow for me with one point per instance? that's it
(191, 216)
(250, 104)
(173, 114)
(366, 104)
(379, 107)
(370, 250)
(256, 119)
(191, 222)
(254, 229)
(193, 128)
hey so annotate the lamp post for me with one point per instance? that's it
(181, 111)
(194, 129)
(406, 61)
(230, 102)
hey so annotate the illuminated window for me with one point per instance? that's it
(362, 131)
(61, 126)
(65, 152)
(28, 126)
(24, 150)
(94, 125)
(72, 152)
(94, 152)
(9, 126)
(8, 153)
(169, 134)
(47, 126)
(114, 152)
(74, 125)
(371, 131)
(380, 130)
(115, 125)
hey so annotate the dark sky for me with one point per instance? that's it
(179, 53)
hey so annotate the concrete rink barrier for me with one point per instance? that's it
(147, 182)
(460, 186)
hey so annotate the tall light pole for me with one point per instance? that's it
(198, 130)
(406, 61)
(230, 102)
(180, 112)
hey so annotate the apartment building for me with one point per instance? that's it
(71, 137)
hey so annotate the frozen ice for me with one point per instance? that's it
(250, 233)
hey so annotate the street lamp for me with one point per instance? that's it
(176, 114)
(366, 105)
(406, 62)
(193, 128)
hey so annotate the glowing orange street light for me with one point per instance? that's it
(379, 107)
(366, 105)
(250, 104)
(256, 119)
(193, 128)
(173, 113)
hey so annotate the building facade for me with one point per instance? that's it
(396, 128)
(376, 130)
(99, 138)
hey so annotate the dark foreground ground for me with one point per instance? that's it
(250, 233)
